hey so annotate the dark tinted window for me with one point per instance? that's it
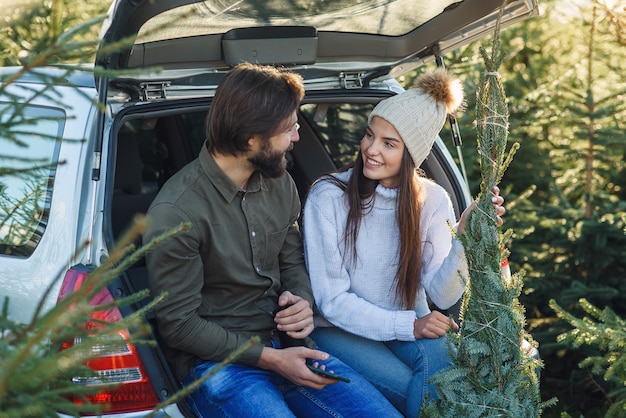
(340, 126)
(194, 128)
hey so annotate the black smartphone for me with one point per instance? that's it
(287, 341)
(326, 373)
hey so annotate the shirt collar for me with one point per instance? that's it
(222, 182)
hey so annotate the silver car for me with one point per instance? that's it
(106, 167)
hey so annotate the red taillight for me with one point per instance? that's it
(121, 365)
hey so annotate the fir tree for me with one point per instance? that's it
(563, 113)
(572, 244)
(492, 375)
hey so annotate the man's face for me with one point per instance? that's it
(270, 159)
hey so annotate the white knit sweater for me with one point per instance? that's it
(360, 297)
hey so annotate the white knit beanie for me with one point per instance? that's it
(418, 114)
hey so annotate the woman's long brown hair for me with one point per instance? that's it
(360, 193)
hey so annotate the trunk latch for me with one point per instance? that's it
(154, 90)
(351, 80)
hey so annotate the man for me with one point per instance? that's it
(241, 260)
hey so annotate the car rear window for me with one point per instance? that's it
(389, 17)
(28, 161)
(340, 126)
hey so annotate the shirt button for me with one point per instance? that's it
(253, 233)
(258, 269)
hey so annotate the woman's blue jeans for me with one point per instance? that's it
(242, 391)
(401, 370)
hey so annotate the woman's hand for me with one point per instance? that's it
(433, 325)
(498, 204)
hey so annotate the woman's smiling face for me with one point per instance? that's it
(382, 149)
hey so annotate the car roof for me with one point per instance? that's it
(380, 38)
(69, 75)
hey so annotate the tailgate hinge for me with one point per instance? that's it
(154, 90)
(351, 80)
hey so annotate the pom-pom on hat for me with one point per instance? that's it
(418, 114)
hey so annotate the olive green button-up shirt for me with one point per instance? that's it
(226, 272)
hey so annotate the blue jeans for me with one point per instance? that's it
(243, 391)
(401, 370)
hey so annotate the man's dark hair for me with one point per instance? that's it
(251, 100)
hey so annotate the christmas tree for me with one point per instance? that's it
(493, 374)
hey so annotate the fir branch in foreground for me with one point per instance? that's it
(36, 378)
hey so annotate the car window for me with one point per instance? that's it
(340, 126)
(193, 123)
(140, 135)
(28, 159)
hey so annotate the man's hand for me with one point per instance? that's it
(297, 319)
(433, 325)
(291, 364)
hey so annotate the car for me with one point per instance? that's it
(156, 88)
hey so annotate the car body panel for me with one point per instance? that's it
(25, 278)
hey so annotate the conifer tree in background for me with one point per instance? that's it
(562, 118)
(606, 330)
(574, 244)
(492, 375)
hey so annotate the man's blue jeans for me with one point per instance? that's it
(399, 369)
(242, 391)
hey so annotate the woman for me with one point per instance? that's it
(378, 239)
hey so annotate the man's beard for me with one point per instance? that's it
(270, 164)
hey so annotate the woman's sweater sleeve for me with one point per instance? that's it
(444, 271)
(324, 222)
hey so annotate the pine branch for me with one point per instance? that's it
(35, 375)
(606, 330)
